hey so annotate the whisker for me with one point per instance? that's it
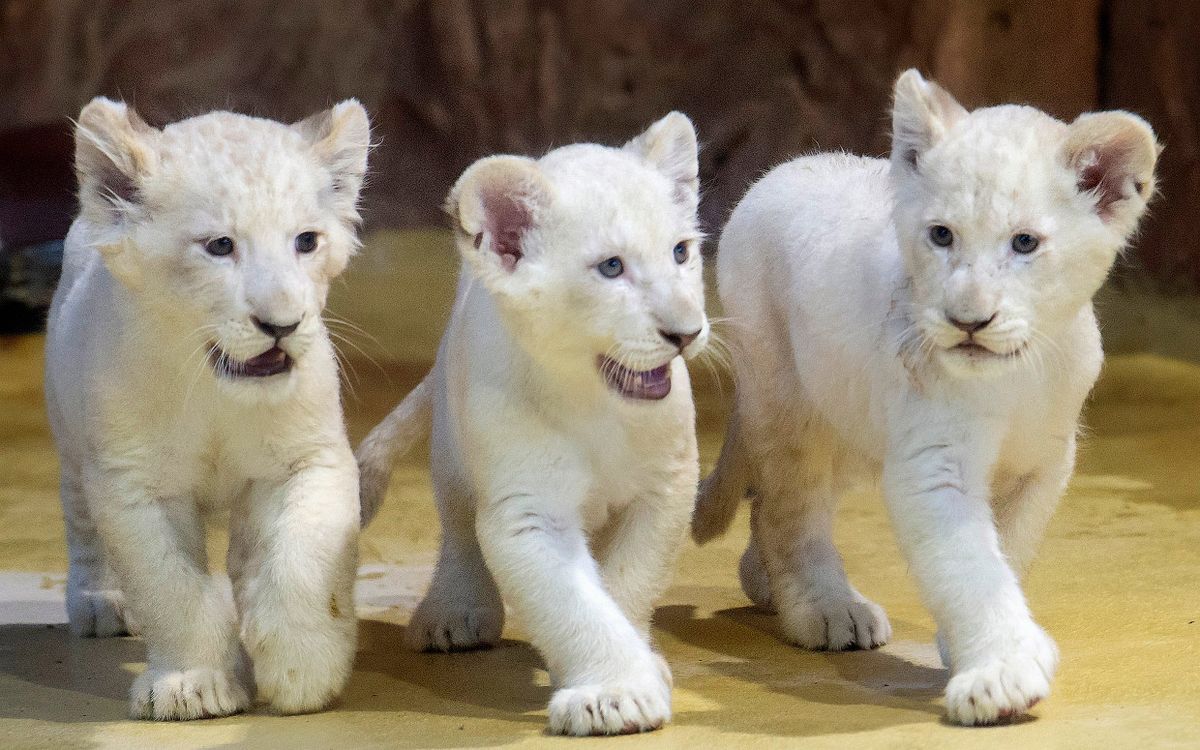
(353, 328)
(206, 346)
(715, 358)
(351, 378)
(199, 370)
(334, 335)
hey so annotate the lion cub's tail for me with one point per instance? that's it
(388, 441)
(723, 490)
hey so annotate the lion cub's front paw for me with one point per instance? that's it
(300, 670)
(182, 695)
(300, 678)
(1006, 686)
(834, 622)
(626, 707)
(439, 626)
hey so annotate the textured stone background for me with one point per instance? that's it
(450, 80)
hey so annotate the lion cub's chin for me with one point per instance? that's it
(640, 385)
(969, 360)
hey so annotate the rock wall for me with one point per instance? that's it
(1152, 66)
(450, 80)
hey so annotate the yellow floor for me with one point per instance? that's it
(1118, 585)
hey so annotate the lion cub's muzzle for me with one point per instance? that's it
(274, 361)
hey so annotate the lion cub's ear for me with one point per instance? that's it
(1113, 156)
(922, 112)
(341, 138)
(669, 146)
(114, 152)
(495, 205)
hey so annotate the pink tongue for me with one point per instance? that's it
(652, 377)
(649, 384)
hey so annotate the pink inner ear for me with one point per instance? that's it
(508, 218)
(1103, 172)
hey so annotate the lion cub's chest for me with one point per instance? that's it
(632, 453)
(207, 451)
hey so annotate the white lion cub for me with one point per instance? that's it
(928, 320)
(187, 369)
(564, 453)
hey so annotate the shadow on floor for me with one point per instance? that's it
(498, 682)
(744, 646)
(48, 674)
(97, 673)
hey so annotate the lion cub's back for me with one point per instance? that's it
(814, 228)
(77, 319)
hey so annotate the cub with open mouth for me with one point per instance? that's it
(188, 368)
(563, 439)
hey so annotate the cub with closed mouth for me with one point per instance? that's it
(925, 321)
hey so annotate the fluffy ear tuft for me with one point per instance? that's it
(341, 138)
(922, 112)
(669, 146)
(114, 151)
(1113, 156)
(496, 202)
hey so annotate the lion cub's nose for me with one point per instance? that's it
(275, 330)
(680, 340)
(970, 326)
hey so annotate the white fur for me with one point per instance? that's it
(150, 437)
(557, 494)
(846, 367)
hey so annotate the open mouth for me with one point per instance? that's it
(648, 385)
(273, 361)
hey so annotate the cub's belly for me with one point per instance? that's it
(845, 408)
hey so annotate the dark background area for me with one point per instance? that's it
(449, 81)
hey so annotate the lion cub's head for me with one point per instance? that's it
(1009, 220)
(593, 254)
(225, 229)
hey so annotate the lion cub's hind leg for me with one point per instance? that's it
(95, 603)
(753, 573)
(462, 609)
(792, 535)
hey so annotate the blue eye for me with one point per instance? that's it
(220, 247)
(941, 236)
(306, 242)
(1024, 243)
(681, 253)
(611, 268)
